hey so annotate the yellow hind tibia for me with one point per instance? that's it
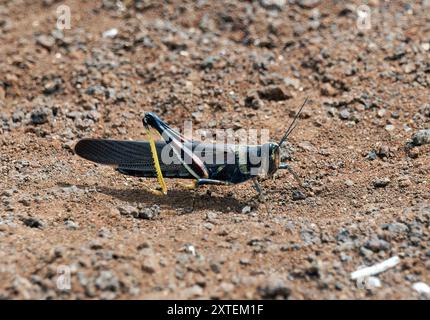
(156, 163)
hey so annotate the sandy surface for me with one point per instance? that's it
(210, 61)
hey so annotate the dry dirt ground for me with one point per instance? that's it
(226, 65)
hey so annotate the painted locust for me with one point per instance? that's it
(177, 157)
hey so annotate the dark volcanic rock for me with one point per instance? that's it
(253, 101)
(298, 195)
(39, 116)
(274, 288)
(33, 223)
(381, 182)
(273, 93)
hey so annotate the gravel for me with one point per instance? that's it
(150, 213)
(274, 288)
(246, 209)
(71, 225)
(309, 236)
(421, 137)
(208, 225)
(372, 155)
(377, 245)
(396, 227)
(215, 267)
(45, 41)
(208, 63)
(421, 288)
(373, 283)
(149, 264)
(39, 116)
(345, 114)
(273, 93)
(111, 33)
(140, 211)
(253, 101)
(212, 216)
(107, 281)
(33, 223)
(298, 195)
(273, 4)
(308, 4)
(381, 182)
(128, 210)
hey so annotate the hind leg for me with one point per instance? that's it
(196, 183)
(295, 175)
(201, 182)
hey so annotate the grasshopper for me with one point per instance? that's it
(148, 158)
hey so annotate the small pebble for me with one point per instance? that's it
(420, 138)
(381, 182)
(70, 225)
(211, 216)
(149, 264)
(39, 117)
(421, 288)
(274, 288)
(273, 93)
(349, 183)
(389, 127)
(208, 225)
(404, 182)
(298, 195)
(372, 155)
(45, 41)
(344, 114)
(150, 213)
(111, 33)
(377, 245)
(373, 282)
(246, 209)
(33, 223)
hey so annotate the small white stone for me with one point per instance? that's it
(421, 288)
(111, 33)
(381, 113)
(193, 291)
(373, 282)
(349, 183)
(190, 249)
(389, 127)
(425, 46)
(246, 209)
(273, 4)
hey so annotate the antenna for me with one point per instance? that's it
(293, 124)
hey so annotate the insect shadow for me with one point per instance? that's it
(181, 200)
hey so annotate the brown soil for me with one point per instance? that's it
(368, 94)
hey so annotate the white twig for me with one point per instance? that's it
(375, 269)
